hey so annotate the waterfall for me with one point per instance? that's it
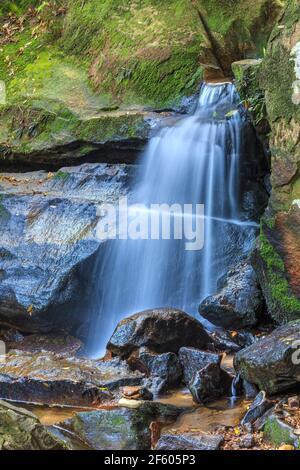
(195, 160)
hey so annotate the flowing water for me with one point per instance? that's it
(195, 161)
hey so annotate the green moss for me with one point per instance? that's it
(280, 296)
(61, 175)
(278, 433)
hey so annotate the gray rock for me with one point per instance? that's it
(52, 379)
(257, 409)
(61, 345)
(187, 441)
(238, 304)
(247, 441)
(210, 383)
(48, 240)
(21, 430)
(271, 362)
(122, 428)
(161, 330)
(164, 370)
(192, 360)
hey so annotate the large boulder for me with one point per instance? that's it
(46, 378)
(48, 240)
(272, 362)
(21, 430)
(121, 428)
(160, 330)
(239, 302)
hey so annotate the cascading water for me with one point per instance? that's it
(195, 161)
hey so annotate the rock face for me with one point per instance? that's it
(160, 330)
(278, 251)
(48, 227)
(259, 406)
(272, 363)
(187, 441)
(21, 430)
(239, 302)
(192, 360)
(77, 107)
(50, 379)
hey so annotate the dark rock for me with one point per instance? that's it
(271, 362)
(238, 304)
(223, 341)
(210, 383)
(164, 370)
(250, 390)
(161, 330)
(10, 336)
(192, 360)
(51, 379)
(121, 428)
(48, 240)
(61, 345)
(260, 405)
(187, 441)
(21, 430)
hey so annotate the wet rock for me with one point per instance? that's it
(250, 390)
(51, 379)
(48, 241)
(257, 409)
(238, 304)
(61, 345)
(210, 383)
(161, 330)
(188, 441)
(10, 336)
(21, 430)
(271, 362)
(164, 370)
(192, 360)
(121, 428)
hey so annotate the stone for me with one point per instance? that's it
(50, 379)
(257, 409)
(272, 361)
(161, 330)
(21, 430)
(238, 304)
(49, 243)
(120, 428)
(280, 433)
(294, 402)
(136, 393)
(186, 441)
(192, 360)
(210, 383)
(163, 370)
(247, 441)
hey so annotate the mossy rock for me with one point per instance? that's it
(278, 433)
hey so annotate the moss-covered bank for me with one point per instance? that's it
(80, 59)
